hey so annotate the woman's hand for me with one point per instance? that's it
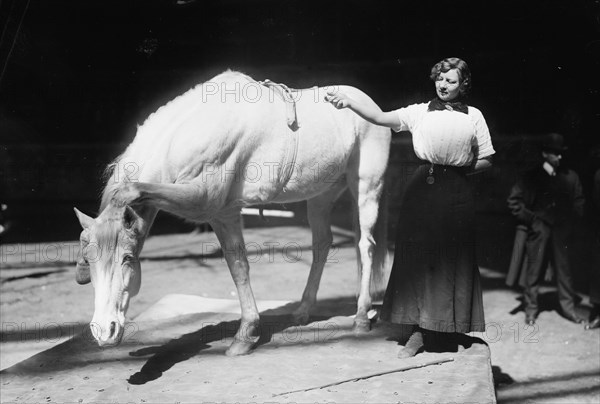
(364, 107)
(338, 99)
(481, 165)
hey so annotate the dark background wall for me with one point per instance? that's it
(92, 70)
(78, 76)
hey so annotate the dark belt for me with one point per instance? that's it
(436, 168)
(442, 167)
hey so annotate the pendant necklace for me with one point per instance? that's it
(430, 180)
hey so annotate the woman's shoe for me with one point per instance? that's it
(413, 346)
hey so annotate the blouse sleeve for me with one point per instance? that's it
(408, 117)
(482, 141)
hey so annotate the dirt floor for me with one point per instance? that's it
(41, 306)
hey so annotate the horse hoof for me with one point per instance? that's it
(238, 348)
(361, 326)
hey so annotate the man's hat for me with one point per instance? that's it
(554, 142)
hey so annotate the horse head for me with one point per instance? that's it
(110, 248)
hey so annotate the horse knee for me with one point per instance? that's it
(367, 244)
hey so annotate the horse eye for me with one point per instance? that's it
(127, 258)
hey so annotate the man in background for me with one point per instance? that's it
(546, 199)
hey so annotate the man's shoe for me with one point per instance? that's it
(595, 323)
(529, 319)
(573, 317)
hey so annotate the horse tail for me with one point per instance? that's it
(380, 270)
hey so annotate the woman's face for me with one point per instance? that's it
(448, 85)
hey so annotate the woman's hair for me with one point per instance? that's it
(464, 74)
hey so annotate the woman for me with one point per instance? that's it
(434, 284)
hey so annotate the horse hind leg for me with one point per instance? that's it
(366, 186)
(229, 233)
(319, 218)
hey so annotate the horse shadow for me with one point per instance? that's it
(164, 357)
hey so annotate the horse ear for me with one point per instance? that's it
(85, 221)
(130, 218)
(82, 272)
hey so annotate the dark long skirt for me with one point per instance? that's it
(434, 281)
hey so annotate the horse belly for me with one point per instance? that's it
(326, 142)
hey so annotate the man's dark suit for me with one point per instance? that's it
(547, 205)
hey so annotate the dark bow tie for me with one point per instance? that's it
(438, 105)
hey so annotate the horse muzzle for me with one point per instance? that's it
(107, 333)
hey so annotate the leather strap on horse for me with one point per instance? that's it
(290, 102)
(290, 153)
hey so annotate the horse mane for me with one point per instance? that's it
(146, 143)
(107, 235)
(111, 183)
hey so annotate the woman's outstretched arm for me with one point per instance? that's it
(367, 109)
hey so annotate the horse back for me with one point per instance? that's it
(231, 134)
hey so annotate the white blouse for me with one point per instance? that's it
(446, 137)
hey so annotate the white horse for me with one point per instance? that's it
(228, 143)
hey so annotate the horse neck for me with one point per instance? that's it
(146, 213)
(137, 164)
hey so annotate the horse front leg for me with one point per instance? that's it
(319, 218)
(229, 233)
